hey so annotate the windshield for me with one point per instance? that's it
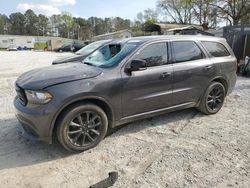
(110, 54)
(91, 47)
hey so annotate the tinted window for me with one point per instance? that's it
(186, 51)
(154, 54)
(216, 49)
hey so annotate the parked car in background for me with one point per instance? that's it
(63, 48)
(69, 48)
(76, 47)
(12, 48)
(123, 81)
(82, 53)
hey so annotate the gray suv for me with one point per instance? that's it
(123, 81)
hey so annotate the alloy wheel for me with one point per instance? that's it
(84, 129)
(215, 99)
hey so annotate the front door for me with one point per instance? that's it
(150, 89)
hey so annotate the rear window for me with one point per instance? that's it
(216, 49)
(186, 51)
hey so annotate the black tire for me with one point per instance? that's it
(213, 99)
(82, 127)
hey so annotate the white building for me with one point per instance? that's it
(29, 41)
(16, 41)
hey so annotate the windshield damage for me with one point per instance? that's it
(110, 54)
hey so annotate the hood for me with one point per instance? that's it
(44, 77)
(72, 58)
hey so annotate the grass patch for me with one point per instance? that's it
(40, 45)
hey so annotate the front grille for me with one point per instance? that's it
(21, 95)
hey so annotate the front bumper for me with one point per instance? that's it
(35, 122)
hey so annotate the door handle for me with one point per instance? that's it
(208, 67)
(165, 75)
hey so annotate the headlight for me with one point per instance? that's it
(38, 97)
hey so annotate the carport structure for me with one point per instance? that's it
(175, 29)
(238, 37)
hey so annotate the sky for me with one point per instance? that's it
(79, 8)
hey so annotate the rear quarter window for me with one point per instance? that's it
(216, 49)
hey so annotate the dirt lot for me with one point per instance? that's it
(180, 149)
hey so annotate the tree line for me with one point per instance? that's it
(63, 25)
(208, 13)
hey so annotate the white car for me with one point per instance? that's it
(12, 48)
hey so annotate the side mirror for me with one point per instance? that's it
(137, 65)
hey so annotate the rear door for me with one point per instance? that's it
(149, 89)
(193, 70)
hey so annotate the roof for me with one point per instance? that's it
(217, 32)
(190, 28)
(113, 33)
(168, 37)
(183, 28)
(166, 26)
(21, 36)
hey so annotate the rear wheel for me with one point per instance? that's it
(82, 127)
(213, 99)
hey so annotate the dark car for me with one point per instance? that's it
(121, 82)
(70, 48)
(77, 47)
(64, 48)
(82, 53)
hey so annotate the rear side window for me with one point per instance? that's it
(154, 54)
(186, 51)
(216, 49)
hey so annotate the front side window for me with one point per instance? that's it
(154, 54)
(186, 51)
(110, 54)
(216, 49)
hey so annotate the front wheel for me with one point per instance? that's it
(82, 127)
(213, 99)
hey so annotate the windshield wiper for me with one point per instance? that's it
(90, 64)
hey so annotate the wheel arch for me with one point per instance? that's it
(223, 81)
(100, 102)
(219, 79)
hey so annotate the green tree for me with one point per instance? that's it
(17, 24)
(180, 11)
(62, 25)
(4, 24)
(232, 10)
(97, 25)
(43, 25)
(245, 19)
(66, 23)
(147, 15)
(108, 25)
(120, 24)
(31, 23)
(84, 29)
(55, 20)
(204, 13)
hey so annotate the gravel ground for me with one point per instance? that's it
(180, 149)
